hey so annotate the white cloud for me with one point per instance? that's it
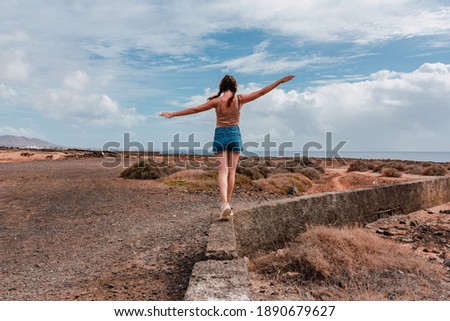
(17, 36)
(14, 66)
(177, 28)
(262, 61)
(76, 81)
(349, 21)
(388, 111)
(7, 92)
(120, 50)
(8, 130)
(75, 101)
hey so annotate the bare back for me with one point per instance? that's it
(228, 115)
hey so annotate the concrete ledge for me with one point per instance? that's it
(271, 224)
(221, 241)
(219, 281)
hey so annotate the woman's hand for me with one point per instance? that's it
(286, 79)
(167, 114)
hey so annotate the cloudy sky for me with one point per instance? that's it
(375, 73)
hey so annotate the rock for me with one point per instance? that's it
(430, 212)
(293, 190)
(388, 233)
(414, 223)
(426, 250)
(444, 212)
(406, 240)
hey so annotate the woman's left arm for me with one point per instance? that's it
(192, 110)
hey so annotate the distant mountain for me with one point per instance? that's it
(16, 141)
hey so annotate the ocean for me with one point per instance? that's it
(442, 157)
(411, 156)
(407, 156)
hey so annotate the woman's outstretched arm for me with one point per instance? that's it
(192, 110)
(245, 98)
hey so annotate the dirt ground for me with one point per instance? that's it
(425, 234)
(73, 230)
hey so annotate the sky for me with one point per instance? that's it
(374, 73)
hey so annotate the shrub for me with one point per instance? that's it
(397, 165)
(193, 179)
(311, 173)
(148, 169)
(243, 182)
(377, 168)
(250, 172)
(351, 264)
(254, 172)
(291, 165)
(358, 166)
(370, 166)
(390, 172)
(434, 170)
(202, 180)
(414, 169)
(281, 183)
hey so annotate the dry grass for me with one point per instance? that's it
(311, 173)
(414, 169)
(148, 169)
(358, 166)
(281, 183)
(193, 179)
(352, 264)
(202, 180)
(390, 172)
(435, 170)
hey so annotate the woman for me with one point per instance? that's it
(227, 143)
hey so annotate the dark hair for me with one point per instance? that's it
(227, 83)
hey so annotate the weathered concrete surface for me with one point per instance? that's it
(266, 226)
(219, 281)
(221, 241)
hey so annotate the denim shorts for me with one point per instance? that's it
(227, 139)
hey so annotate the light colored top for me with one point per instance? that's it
(228, 115)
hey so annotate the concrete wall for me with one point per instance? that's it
(271, 224)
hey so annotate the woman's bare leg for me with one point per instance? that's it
(223, 176)
(233, 158)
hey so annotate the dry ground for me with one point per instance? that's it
(73, 230)
(397, 258)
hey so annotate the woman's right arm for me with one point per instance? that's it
(245, 98)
